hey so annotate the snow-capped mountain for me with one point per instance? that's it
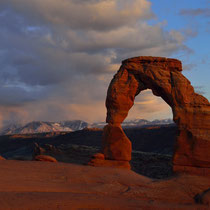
(137, 123)
(44, 127)
(145, 123)
(74, 125)
(9, 129)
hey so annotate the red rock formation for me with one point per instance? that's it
(191, 111)
(98, 156)
(46, 158)
(2, 158)
(116, 145)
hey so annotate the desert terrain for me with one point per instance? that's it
(71, 184)
(44, 185)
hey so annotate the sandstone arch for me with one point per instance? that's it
(191, 111)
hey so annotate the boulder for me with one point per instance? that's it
(46, 158)
(98, 156)
(2, 158)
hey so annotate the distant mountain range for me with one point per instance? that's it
(137, 123)
(68, 126)
(44, 127)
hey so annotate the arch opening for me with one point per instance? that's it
(152, 135)
(150, 107)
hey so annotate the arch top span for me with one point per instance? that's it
(170, 64)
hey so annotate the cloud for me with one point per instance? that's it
(150, 107)
(199, 90)
(58, 57)
(95, 15)
(196, 12)
(190, 32)
(189, 66)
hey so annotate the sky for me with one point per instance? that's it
(57, 57)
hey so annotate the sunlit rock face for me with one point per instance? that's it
(1, 158)
(191, 111)
(116, 145)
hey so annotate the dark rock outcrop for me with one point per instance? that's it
(203, 198)
(46, 149)
(191, 111)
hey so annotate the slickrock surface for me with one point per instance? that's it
(191, 111)
(44, 185)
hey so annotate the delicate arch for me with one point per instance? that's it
(191, 111)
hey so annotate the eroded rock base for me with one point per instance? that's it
(115, 144)
(116, 148)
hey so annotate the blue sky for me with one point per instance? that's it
(57, 58)
(192, 17)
